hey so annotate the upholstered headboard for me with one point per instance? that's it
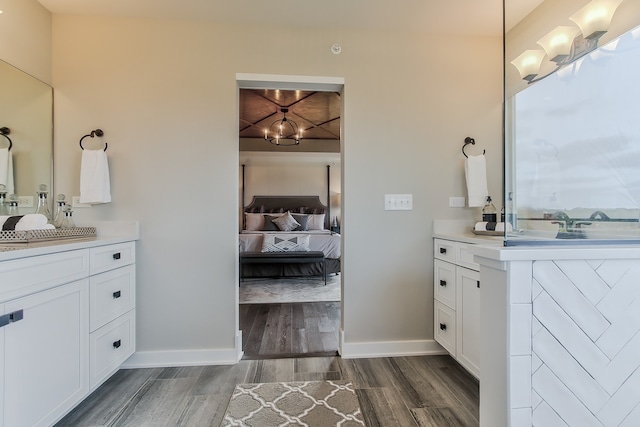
(299, 204)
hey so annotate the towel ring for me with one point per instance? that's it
(5, 131)
(97, 132)
(468, 140)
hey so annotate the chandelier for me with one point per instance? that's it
(283, 132)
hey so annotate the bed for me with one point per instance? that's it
(267, 227)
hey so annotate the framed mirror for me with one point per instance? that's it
(26, 109)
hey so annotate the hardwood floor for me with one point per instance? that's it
(420, 391)
(289, 330)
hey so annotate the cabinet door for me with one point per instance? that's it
(468, 319)
(46, 355)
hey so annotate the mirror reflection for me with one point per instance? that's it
(26, 111)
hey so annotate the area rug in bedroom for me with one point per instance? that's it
(308, 403)
(289, 290)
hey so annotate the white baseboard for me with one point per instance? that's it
(155, 359)
(158, 359)
(389, 348)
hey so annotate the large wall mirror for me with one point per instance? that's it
(26, 109)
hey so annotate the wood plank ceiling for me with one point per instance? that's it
(316, 113)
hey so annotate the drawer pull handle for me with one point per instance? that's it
(116, 256)
(478, 283)
(16, 316)
(443, 327)
(117, 344)
(443, 283)
(443, 250)
(116, 294)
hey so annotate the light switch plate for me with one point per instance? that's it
(398, 202)
(456, 202)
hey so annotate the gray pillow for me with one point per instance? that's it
(269, 225)
(303, 220)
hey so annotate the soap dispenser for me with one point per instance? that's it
(67, 222)
(60, 208)
(489, 212)
(43, 205)
(13, 205)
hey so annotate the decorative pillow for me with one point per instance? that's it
(253, 222)
(285, 243)
(316, 222)
(269, 225)
(286, 222)
(303, 220)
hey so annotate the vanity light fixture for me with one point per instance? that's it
(283, 132)
(563, 45)
(594, 19)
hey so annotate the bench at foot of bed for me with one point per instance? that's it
(283, 258)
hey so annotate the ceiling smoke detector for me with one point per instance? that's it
(336, 49)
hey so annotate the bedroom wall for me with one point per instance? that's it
(294, 174)
(164, 92)
(25, 37)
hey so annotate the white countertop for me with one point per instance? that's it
(108, 233)
(460, 231)
(550, 252)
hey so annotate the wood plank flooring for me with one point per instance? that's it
(290, 329)
(416, 391)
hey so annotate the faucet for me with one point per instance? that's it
(560, 218)
(603, 216)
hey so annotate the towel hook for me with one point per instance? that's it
(5, 131)
(97, 132)
(468, 140)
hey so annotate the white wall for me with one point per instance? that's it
(164, 92)
(25, 37)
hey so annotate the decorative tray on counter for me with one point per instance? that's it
(487, 233)
(34, 236)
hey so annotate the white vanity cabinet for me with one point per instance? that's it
(112, 304)
(457, 302)
(60, 335)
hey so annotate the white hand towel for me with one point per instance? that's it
(6, 170)
(493, 226)
(27, 222)
(32, 222)
(475, 169)
(94, 177)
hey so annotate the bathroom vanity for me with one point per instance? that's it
(67, 321)
(456, 283)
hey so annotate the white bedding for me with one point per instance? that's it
(321, 240)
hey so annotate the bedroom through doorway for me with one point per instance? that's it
(290, 199)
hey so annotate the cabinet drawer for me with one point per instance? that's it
(445, 327)
(105, 258)
(111, 295)
(444, 250)
(29, 275)
(465, 258)
(110, 346)
(444, 283)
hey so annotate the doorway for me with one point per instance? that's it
(282, 328)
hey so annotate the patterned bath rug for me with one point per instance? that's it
(308, 404)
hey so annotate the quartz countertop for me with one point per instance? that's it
(108, 233)
(460, 231)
